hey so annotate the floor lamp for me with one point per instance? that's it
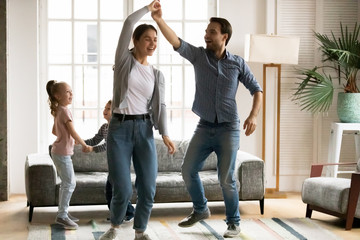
(272, 51)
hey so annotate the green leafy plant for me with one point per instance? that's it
(341, 55)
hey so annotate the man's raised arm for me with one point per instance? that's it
(168, 33)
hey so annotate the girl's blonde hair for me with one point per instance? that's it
(53, 87)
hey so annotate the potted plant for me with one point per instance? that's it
(341, 61)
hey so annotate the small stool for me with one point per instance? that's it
(337, 130)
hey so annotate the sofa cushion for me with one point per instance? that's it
(89, 162)
(172, 163)
(170, 187)
(90, 188)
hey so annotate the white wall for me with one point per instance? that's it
(22, 88)
(23, 104)
(246, 17)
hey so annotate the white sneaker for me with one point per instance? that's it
(143, 237)
(67, 223)
(74, 219)
(128, 219)
(109, 235)
(232, 231)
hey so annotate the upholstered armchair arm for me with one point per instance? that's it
(353, 198)
(40, 180)
(316, 169)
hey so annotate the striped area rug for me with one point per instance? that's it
(210, 229)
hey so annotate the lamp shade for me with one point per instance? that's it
(271, 49)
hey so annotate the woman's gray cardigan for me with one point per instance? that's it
(124, 61)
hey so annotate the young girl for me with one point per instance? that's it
(138, 106)
(60, 96)
(96, 147)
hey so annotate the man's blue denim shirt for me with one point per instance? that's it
(217, 81)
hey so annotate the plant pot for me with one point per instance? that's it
(348, 107)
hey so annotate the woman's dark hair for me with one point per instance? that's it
(139, 30)
(225, 27)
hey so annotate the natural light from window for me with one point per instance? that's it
(81, 40)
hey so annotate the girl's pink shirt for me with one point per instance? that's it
(64, 143)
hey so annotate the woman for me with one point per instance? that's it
(138, 106)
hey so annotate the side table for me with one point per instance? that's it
(337, 130)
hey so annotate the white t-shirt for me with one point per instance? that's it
(140, 89)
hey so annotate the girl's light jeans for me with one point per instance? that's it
(223, 139)
(65, 169)
(131, 139)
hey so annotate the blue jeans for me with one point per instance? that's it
(223, 139)
(65, 169)
(130, 211)
(126, 140)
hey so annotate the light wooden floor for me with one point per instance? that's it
(14, 214)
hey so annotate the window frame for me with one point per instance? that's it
(46, 120)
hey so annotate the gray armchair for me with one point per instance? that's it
(335, 196)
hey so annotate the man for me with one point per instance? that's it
(217, 76)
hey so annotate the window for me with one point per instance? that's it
(81, 42)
